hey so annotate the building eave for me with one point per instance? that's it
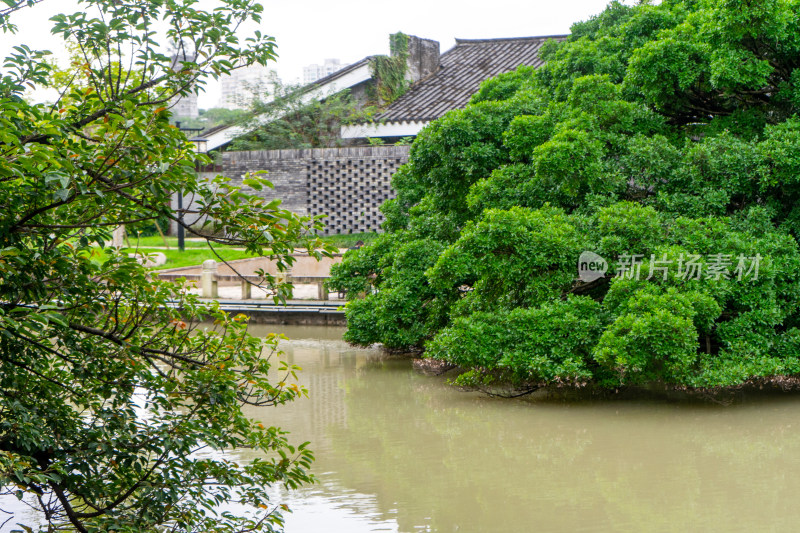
(404, 128)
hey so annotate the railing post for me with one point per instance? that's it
(208, 279)
(285, 277)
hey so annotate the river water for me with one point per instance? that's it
(400, 451)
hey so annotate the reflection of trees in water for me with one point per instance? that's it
(325, 365)
(437, 457)
(443, 458)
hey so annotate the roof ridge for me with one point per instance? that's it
(333, 75)
(506, 39)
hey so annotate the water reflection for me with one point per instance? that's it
(399, 451)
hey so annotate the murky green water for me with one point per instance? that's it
(400, 451)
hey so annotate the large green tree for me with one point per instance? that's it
(666, 139)
(114, 401)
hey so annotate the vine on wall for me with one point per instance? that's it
(389, 72)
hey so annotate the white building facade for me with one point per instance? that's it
(238, 89)
(312, 73)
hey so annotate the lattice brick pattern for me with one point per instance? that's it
(350, 191)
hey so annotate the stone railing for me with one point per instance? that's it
(209, 280)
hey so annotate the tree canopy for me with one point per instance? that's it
(663, 138)
(114, 399)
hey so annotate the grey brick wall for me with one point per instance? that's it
(347, 184)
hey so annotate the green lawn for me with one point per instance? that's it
(189, 257)
(198, 251)
(348, 241)
(341, 241)
(196, 256)
(155, 241)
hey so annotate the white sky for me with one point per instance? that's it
(308, 31)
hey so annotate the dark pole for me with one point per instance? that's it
(181, 245)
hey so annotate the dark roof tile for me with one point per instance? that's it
(461, 71)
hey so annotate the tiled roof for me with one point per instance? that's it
(461, 71)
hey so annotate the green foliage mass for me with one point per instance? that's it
(118, 392)
(670, 132)
(389, 72)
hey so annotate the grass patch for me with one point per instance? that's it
(195, 256)
(349, 241)
(177, 259)
(198, 251)
(155, 241)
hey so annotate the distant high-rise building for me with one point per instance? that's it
(312, 73)
(238, 88)
(183, 106)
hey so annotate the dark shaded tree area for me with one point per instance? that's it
(666, 132)
(118, 392)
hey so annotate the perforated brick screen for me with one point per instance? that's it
(347, 184)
